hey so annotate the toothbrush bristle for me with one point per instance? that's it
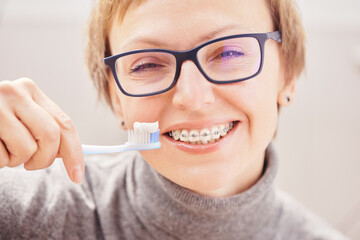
(143, 133)
(154, 137)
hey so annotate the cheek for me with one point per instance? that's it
(262, 91)
(254, 97)
(148, 109)
(256, 100)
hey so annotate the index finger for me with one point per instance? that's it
(70, 149)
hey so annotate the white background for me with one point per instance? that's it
(319, 135)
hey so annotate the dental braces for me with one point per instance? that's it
(203, 134)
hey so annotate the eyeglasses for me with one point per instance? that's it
(230, 59)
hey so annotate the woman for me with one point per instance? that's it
(216, 96)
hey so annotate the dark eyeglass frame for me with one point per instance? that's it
(191, 54)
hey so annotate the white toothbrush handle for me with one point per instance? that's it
(92, 149)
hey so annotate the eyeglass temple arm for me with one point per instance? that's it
(275, 36)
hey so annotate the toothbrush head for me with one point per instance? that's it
(144, 136)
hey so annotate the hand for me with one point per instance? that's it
(34, 130)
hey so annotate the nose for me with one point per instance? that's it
(192, 91)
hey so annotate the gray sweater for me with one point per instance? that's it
(122, 197)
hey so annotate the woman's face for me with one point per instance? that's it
(233, 163)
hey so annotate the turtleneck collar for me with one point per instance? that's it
(167, 208)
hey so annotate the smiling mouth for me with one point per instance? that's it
(202, 136)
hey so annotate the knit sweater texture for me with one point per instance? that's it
(122, 197)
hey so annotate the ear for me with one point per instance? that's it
(286, 94)
(115, 101)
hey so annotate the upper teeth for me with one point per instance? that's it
(202, 136)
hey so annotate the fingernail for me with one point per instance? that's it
(78, 174)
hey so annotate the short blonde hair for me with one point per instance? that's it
(285, 16)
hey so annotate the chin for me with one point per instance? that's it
(215, 180)
(217, 174)
(213, 186)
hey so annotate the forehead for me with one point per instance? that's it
(182, 24)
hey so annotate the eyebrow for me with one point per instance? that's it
(207, 37)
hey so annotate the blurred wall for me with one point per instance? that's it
(319, 135)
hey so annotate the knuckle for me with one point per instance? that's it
(14, 90)
(7, 88)
(52, 133)
(5, 83)
(29, 150)
(27, 82)
(66, 122)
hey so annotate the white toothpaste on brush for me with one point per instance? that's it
(149, 127)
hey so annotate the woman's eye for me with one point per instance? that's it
(229, 54)
(143, 67)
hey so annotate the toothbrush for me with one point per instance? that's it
(144, 136)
